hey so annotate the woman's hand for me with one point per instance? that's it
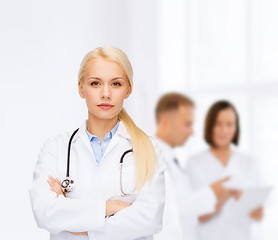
(114, 206)
(257, 214)
(226, 194)
(236, 194)
(78, 233)
(55, 186)
(219, 190)
(111, 208)
(218, 207)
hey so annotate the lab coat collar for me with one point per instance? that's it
(167, 150)
(81, 131)
(122, 131)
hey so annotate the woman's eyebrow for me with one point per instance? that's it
(113, 79)
(116, 78)
(94, 78)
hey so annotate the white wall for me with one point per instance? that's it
(207, 49)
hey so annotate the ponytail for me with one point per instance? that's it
(145, 156)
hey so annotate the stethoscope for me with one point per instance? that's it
(68, 184)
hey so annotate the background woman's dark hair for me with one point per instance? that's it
(211, 119)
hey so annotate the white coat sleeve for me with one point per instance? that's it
(197, 202)
(143, 217)
(61, 214)
(190, 202)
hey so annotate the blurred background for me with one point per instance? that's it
(207, 49)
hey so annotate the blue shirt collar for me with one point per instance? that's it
(109, 135)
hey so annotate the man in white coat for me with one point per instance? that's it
(174, 115)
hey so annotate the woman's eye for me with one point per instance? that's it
(116, 84)
(94, 83)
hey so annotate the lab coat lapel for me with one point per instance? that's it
(84, 138)
(121, 132)
(114, 141)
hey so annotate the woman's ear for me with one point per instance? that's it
(80, 90)
(128, 92)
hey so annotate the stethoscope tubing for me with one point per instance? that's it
(121, 162)
(69, 147)
(121, 170)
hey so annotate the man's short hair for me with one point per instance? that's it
(171, 101)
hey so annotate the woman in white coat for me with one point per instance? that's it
(221, 159)
(107, 202)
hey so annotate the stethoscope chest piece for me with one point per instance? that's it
(67, 185)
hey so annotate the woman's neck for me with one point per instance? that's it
(223, 154)
(100, 127)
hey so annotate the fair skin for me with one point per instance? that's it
(175, 127)
(104, 87)
(223, 134)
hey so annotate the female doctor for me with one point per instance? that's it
(221, 159)
(114, 179)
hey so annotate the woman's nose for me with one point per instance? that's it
(106, 93)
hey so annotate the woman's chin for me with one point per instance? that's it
(222, 144)
(105, 116)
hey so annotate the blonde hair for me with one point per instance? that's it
(144, 152)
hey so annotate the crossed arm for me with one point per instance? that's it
(53, 211)
(111, 206)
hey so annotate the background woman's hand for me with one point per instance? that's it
(223, 194)
(55, 186)
(257, 214)
(219, 190)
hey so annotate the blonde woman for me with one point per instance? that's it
(114, 178)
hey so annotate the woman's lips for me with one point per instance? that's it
(105, 106)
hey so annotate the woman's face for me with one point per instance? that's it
(104, 87)
(225, 128)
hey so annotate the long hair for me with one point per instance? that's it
(144, 152)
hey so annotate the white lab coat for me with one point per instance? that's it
(182, 204)
(84, 208)
(204, 169)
